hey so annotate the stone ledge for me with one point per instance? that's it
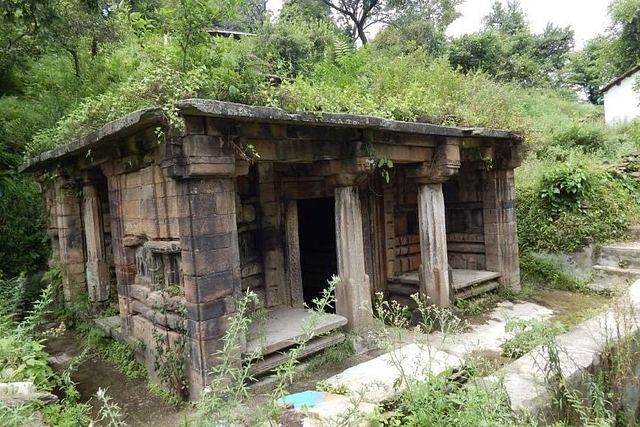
(213, 108)
(580, 351)
(117, 129)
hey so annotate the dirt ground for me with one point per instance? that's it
(143, 408)
(139, 406)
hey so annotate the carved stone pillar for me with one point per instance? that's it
(71, 247)
(353, 293)
(500, 230)
(97, 269)
(434, 270)
(205, 172)
(123, 255)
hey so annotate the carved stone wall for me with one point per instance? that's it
(465, 222)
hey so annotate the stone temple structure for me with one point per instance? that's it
(176, 224)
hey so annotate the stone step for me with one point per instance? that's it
(272, 361)
(608, 278)
(467, 284)
(474, 291)
(633, 232)
(282, 327)
(621, 255)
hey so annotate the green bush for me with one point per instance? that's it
(440, 402)
(22, 353)
(548, 272)
(572, 204)
(24, 245)
(591, 137)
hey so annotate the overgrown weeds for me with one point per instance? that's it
(547, 272)
(23, 358)
(222, 400)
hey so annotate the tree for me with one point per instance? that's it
(305, 11)
(591, 67)
(20, 24)
(510, 20)
(361, 14)
(420, 24)
(625, 17)
(507, 50)
(553, 46)
(249, 17)
(484, 51)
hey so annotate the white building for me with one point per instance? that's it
(621, 100)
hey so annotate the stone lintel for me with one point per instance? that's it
(347, 172)
(246, 113)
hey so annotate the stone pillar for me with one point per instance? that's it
(97, 269)
(294, 271)
(210, 265)
(70, 239)
(123, 254)
(204, 169)
(353, 293)
(500, 230)
(434, 270)
(271, 234)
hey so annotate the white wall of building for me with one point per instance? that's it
(621, 101)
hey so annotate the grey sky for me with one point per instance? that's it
(588, 18)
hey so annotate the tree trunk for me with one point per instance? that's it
(76, 60)
(360, 31)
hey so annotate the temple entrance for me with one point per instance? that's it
(317, 234)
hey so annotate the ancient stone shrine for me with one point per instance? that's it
(178, 223)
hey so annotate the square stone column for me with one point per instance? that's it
(500, 230)
(434, 270)
(97, 269)
(123, 254)
(211, 266)
(353, 293)
(70, 239)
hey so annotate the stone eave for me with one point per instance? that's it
(145, 118)
(112, 131)
(221, 109)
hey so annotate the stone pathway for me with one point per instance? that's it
(379, 379)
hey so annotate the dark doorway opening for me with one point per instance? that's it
(317, 234)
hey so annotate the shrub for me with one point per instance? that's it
(546, 271)
(441, 402)
(572, 204)
(23, 239)
(591, 137)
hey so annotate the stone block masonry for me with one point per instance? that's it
(188, 221)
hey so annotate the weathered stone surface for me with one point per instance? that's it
(104, 136)
(434, 269)
(382, 378)
(20, 393)
(213, 108)
(353, 291)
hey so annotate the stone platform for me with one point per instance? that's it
(380, 379)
